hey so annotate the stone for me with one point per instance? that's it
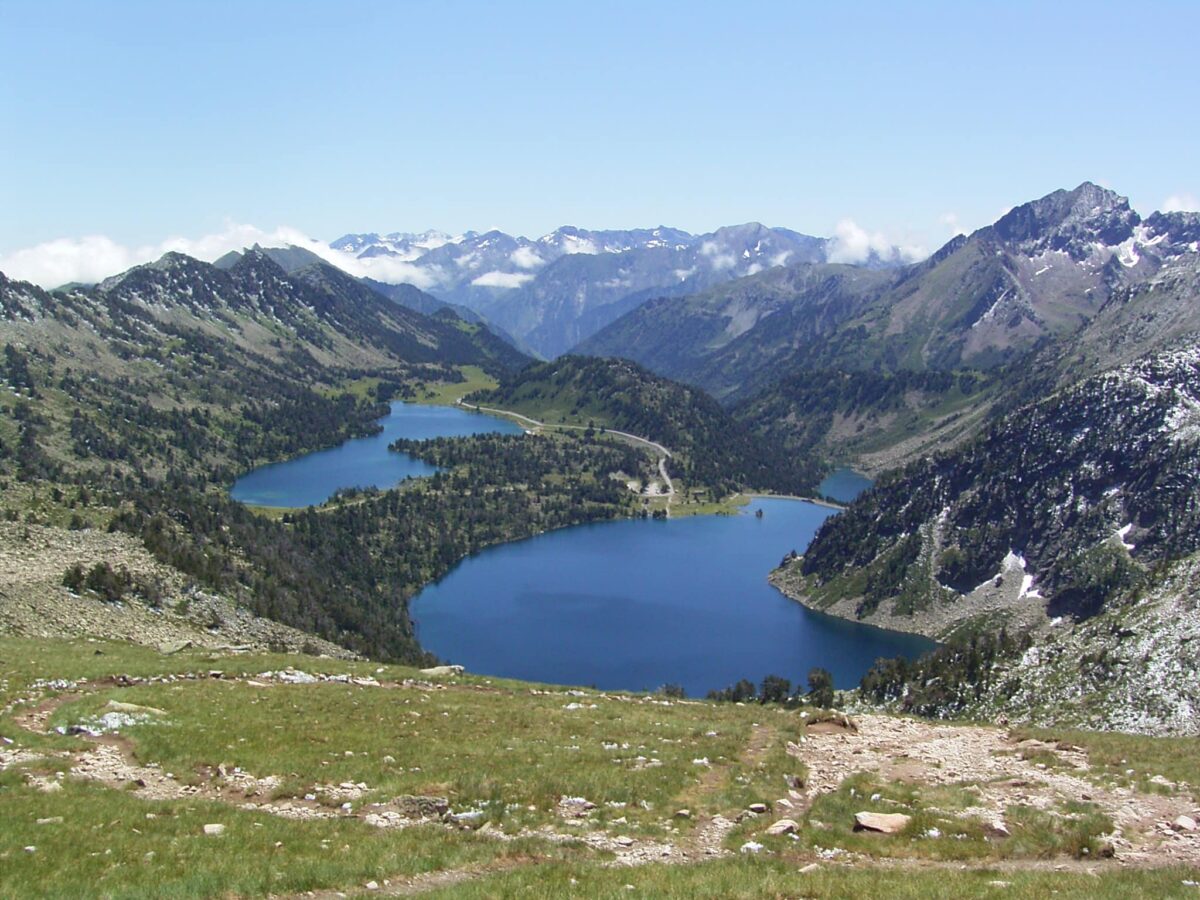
(51, 820)
(999, 827)
(783, 826)
(624, 840)
(809, 869)
(751, 847)
(443, 670)
(757, 808)
(372, 885)
(214, 829)
(884, 823)
(683, 813)
(1184, 823)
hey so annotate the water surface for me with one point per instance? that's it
(362, 462)
(844, 485)
(637, 604)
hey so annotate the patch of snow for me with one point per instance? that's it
(1122, 533)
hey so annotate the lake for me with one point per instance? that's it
(631, 604)
(843, 485)
(363, 462)
(637, 604)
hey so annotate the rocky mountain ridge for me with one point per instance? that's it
(558, 289)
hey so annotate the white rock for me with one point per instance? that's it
(783, 826)
(1184, 823)
(214, 829)
(886, 823)
(751, 847)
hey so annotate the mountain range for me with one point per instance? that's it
(554, 291)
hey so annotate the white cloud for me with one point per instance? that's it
(781, 258)
(502, 279)
(1181, 203)
(717, 259)
(526, 258)
(573, 244)
(96, 257)
(853, 244)
(951, 223)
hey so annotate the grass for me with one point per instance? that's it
(744, 878)
(1131, 760)
(938, 828)
(511, 750)
(500, 750)
(443, 393)
(113, 844)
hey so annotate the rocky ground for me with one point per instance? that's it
(34, 602)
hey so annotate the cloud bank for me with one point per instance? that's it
(96, 257)
(851, 243)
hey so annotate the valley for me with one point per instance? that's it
(224, 484)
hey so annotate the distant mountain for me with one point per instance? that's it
(557, 290)
(1043, 269)
(979, 305)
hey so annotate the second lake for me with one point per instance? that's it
(638, 604)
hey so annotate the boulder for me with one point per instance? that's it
(783, 826)
(214, 830)
(1184, 823)
(751, 847)
(443, 670)
(884, 823)
(757, 808)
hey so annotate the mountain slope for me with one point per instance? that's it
(1043, 269)
(975, 311)
(708, 447)
(132, 406)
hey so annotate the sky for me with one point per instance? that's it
(132, 127)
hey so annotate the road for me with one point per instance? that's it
(654, 445)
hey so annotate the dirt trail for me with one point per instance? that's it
(708, 838)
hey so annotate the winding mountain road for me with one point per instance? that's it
(653, 445)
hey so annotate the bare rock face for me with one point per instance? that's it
(885, 823)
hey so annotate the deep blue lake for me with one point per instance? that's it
(843, 485)
(629, 604)
(637, 604)
(362, 462)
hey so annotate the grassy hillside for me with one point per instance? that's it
(127, 773)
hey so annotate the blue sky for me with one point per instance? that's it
(141, 121)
